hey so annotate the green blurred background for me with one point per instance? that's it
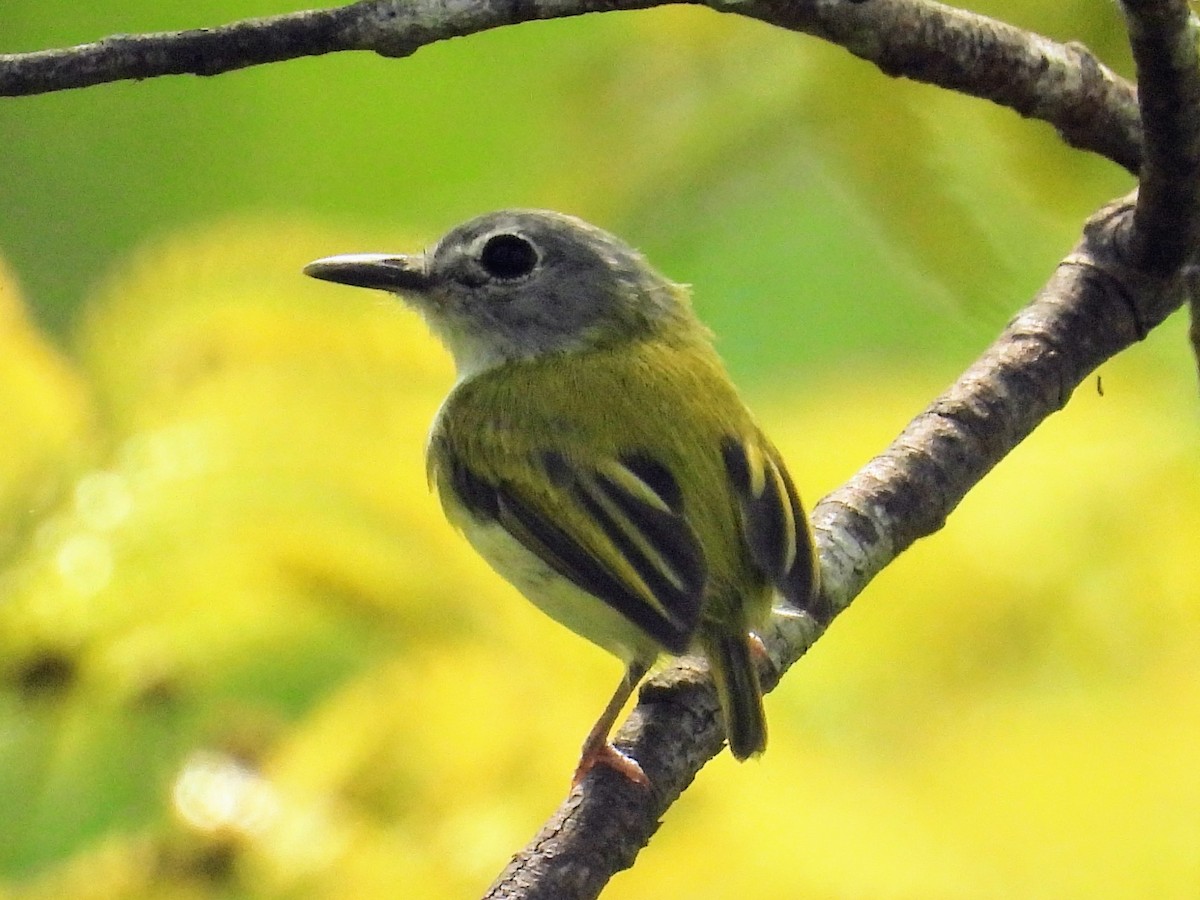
(242, 655)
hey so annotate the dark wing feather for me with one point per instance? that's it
(654, 539)
(655, 476)
(473, 492)
(640, 519)
(773, 523)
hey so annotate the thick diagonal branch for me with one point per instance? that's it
(1095, 305)
(1064, 85)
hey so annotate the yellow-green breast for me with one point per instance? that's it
(671, 401)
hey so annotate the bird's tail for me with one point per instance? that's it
(738, 689)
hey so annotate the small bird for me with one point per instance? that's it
(595, 452)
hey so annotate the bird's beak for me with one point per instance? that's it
(385, 272)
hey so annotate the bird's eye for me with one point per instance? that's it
(508, 256)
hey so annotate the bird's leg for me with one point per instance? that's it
(758, 649)
(596, 748)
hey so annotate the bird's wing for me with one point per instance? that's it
(616, 529)
(773, 523)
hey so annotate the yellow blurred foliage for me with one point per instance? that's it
(245, 656)
(45, 409)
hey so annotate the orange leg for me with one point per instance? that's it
(758, 649)
(596, 748)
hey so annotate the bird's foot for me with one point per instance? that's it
(605, 754)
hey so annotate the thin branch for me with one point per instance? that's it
(198, 51)
(1163, 35)
(1064, 85)
(1096, 304)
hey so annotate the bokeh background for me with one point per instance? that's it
(241, 655)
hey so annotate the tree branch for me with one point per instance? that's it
(1064, 85)
(1163, 34)
(1097, 303)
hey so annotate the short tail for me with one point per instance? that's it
(740, 693)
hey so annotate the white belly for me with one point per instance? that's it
(559, 598)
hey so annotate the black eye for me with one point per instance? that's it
(508, 256)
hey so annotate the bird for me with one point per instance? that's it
(595, 452)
